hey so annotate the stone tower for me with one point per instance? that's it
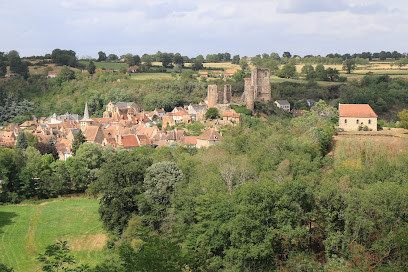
(227, 94)
(249, 98)
(212, 96)
(260, 79)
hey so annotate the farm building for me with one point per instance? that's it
(356, 117)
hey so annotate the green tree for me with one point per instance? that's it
(349, 65)
(113, 57)
(212, 113)
(321, 73)
(56, 258)
(21, 140)
(91, 68)
(178, 59)
(198, 63)
(286, 55)
(403, 116)
(332, 74)
(287, 71)
(187, 74)
(3, 64)
(309, 71)
(102, 56)
(243, 63)
(79, 139)
(235, 59)
(159, 183)
(120, 185)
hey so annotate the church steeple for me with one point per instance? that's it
(86, 113)
(86, 121)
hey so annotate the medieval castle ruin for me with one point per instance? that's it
(215, 97)
(257, 87)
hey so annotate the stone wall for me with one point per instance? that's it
(212, 96)
(227, 94)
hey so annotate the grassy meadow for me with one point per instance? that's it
(351, 149)
(27, 229)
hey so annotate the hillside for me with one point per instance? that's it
(26, 230)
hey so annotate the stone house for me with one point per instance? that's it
(209, 138)
(356, 116)
(283, 104)
(232, 116)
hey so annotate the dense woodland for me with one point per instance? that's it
(269, 197)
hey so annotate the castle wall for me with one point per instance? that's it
(227, 94)
(250, 98)
(212, 96)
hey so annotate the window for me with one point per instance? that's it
(345, 121)
(357, 122)
(369, 121)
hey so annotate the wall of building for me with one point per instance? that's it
(212, 96)
(354, 123)
(227, 94)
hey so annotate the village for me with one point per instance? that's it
(126, 125)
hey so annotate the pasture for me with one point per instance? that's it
(27, 229)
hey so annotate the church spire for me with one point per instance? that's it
(86, 113)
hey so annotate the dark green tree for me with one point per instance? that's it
(235, 59)
(212, 113)
(79, 139)
(91, 67)
(56, 258)
(21, 140)
(120, 185)
(349, 65)
(113, 57)
(287, 71)
(102, 56)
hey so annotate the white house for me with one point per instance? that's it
(357, 116)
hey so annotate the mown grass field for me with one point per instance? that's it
(26, 230)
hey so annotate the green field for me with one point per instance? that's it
(107, 65)
(26, 230)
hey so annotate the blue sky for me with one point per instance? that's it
(201, 27)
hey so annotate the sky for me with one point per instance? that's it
(191, 27)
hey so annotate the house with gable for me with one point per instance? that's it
(209, 138)
(354, 117)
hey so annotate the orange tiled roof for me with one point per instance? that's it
(130, 141)
(356, 110)
(189, 140)
(230, 71)
(210, 134)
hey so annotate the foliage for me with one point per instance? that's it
(349, 65)
(79, 139)
(287, 71)
(403, 116)
(91, 68)
(64, 57)
(56, 257)
(21, 140)
(212, 113)
(121, 185)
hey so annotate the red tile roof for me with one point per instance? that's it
(210, 134)
(356, 110)
(189, 140)
(130, 141)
